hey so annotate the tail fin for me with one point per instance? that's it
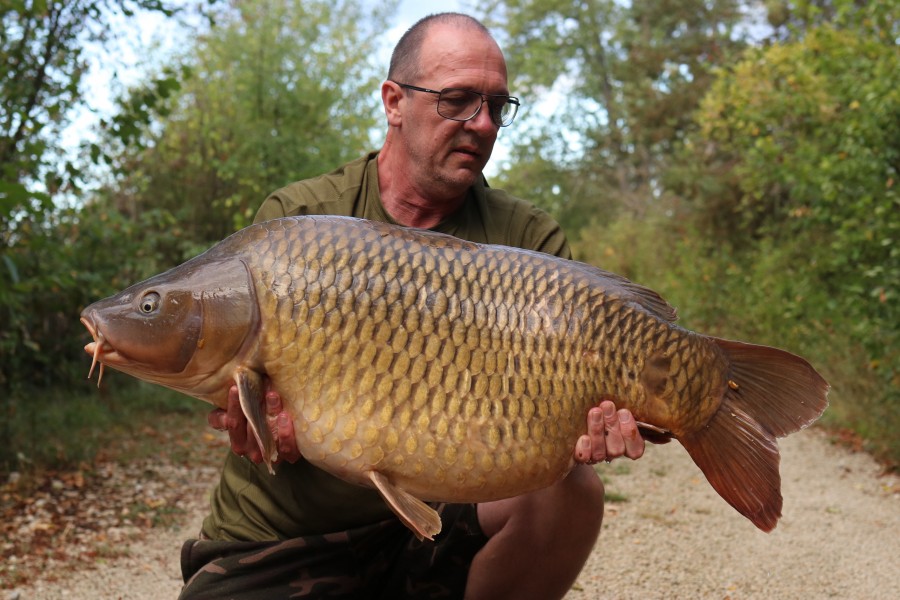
(770, 393)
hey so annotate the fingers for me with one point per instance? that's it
(216, 419)
(597, 430)
(610, 434)
(634, 443)
(243, 442)
(287, 443)
(282, 428)
(622, 436)
(237, 426)
(583, 450)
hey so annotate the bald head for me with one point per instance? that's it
(406, 60)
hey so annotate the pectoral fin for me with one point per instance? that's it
(250, 391)
(415, 514)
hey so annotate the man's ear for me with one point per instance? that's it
(391, 96)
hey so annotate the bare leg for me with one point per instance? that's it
(539, 541)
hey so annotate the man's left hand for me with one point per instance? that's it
(611, 434)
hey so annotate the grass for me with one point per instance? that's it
(615, 497)
(62, 428)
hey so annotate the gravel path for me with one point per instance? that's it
(667, 535)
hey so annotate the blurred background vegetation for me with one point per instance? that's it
(741, 157)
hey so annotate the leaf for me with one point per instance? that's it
(11, 267)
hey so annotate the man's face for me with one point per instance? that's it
(448, 156)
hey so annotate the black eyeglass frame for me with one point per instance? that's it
(514, 101)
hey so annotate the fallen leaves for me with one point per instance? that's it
(81, 517)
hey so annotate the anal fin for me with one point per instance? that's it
(423, 520)
(250, 392)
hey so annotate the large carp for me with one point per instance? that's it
(432, 368)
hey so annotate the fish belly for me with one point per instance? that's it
(463, 373)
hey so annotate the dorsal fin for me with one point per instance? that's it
(629, 290)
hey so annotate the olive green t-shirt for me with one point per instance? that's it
(249, 504)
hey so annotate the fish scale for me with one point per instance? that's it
(461, 314)
(437, 369)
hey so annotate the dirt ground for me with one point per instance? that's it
(666, 535)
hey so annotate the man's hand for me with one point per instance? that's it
(611, 434)
(243, 443)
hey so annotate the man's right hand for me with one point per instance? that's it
(243, 443)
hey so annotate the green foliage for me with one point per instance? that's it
(757, 191)
(810, 131)
(630, 76)
(60, 428)
(556, 185)
(791, 19)
(54, 264)
(764, 296)
(41, 71)
(45, 243)
(278, 91)
(784, 229)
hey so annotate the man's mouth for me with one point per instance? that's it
(469, 151)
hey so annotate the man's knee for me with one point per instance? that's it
(584, 502)
(589, 487)
(540, 540)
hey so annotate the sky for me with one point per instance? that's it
(106, 75)
(411, 11)
(109, 75)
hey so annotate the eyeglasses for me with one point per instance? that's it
(464, 105)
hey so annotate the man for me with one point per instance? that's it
(303, 532)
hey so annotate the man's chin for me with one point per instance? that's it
(462, 178)
(469, 165)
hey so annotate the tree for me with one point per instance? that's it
(43, 278)
(280, 90)
(795, 169)
(41, 71)
(631, 73)
(791, 19)
(811, 134)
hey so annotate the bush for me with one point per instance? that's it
(768, 294)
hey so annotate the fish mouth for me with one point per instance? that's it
(99, 349)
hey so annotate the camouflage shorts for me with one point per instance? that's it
(378, 561)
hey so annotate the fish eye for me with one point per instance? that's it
(149, 302)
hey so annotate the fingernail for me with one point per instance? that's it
(609, 410)
(596, 416)
(585, 443)
(624, 417)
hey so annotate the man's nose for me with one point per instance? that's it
(482, 122)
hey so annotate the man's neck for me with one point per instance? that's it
(416, 211)
(408, 205)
